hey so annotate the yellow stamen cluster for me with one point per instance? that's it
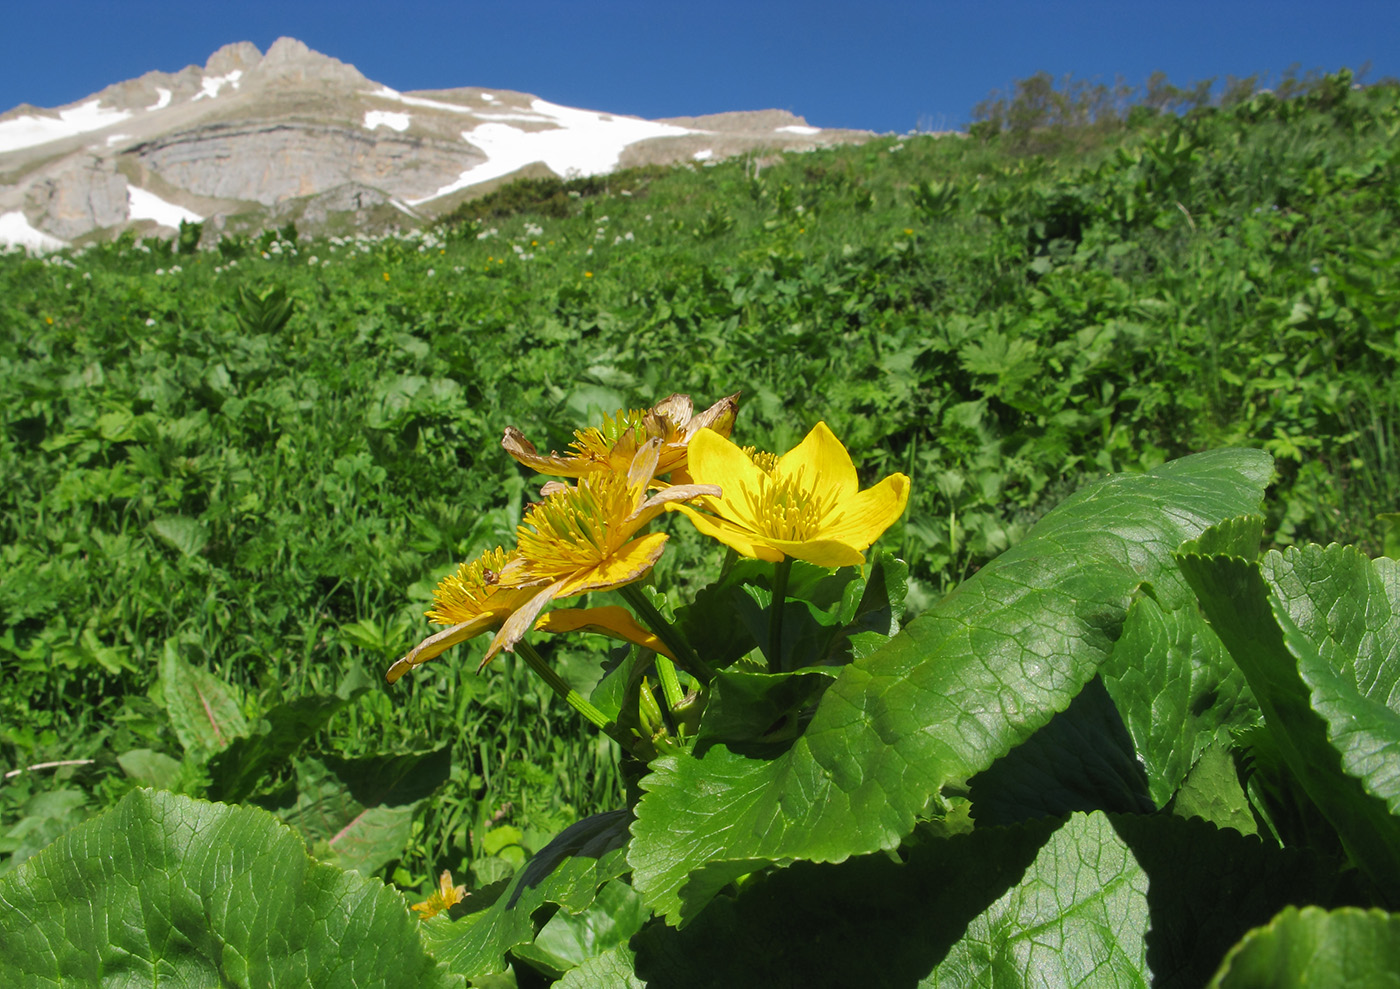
(597, 442)
(790, 508)
(460, 596)
(762, 459)
(575, 528)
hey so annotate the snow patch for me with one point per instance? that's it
(393, 94)
(117, 139)
(143, 205)
(582, 142)
(212, 84)
(798, 129)
(16, 231)
(386, 118)
(28, 131)
(489, 97)
(705, 155)
(162, 99)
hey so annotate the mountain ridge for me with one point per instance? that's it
(253, 139)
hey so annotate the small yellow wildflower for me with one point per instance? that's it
(386, 276)
(808, 506)
(443, 897)
(909, 231)
(49, 320)
(588, 274)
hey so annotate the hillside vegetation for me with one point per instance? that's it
(239, 473)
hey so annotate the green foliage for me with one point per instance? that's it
(1313, 947)
(135, 896)
(232, 478)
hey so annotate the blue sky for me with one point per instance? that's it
(874, 65)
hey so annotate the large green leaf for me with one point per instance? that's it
(1083, 760)
(359, 812)
(869, 921)
(1358, 949)
(610, 970)
(568, 871)
(1079, 916)
(970, 679)
(1212, 791)
(971, 906)
(204, 711)
(237, 771)
(163, 890)
(1314, 707)
(1176, 688)
(570, 940)
(1348, 608)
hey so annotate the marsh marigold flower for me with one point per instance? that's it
(585, 537)
(614, 445)
(472, 601)
(807, 505)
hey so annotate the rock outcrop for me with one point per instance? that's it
(294, 133)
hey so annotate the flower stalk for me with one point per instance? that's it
(572, 697)
(667, 633)
(781, 571)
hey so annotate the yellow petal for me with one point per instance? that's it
(822, 552)
(643, 466)
(630, 562)
(740, 539)
(823, 464)
(609, 620)
(658, 503)
(518, 623)
(715, 460)
(435, 645)
(867, 514)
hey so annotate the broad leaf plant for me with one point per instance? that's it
(1129, 751)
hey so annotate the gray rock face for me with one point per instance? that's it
(85, 194)
(268, 162)
(297, 134)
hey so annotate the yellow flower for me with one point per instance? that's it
(585, 538)
(808, 506)
(613, 446)
(472, 601)
(443, 897)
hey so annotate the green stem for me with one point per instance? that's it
(781, 569)
(664, 631)
(572, 697)
(670, 685)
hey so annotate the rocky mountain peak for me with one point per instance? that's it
(252, 140)
(240, 56)
(290, 61)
